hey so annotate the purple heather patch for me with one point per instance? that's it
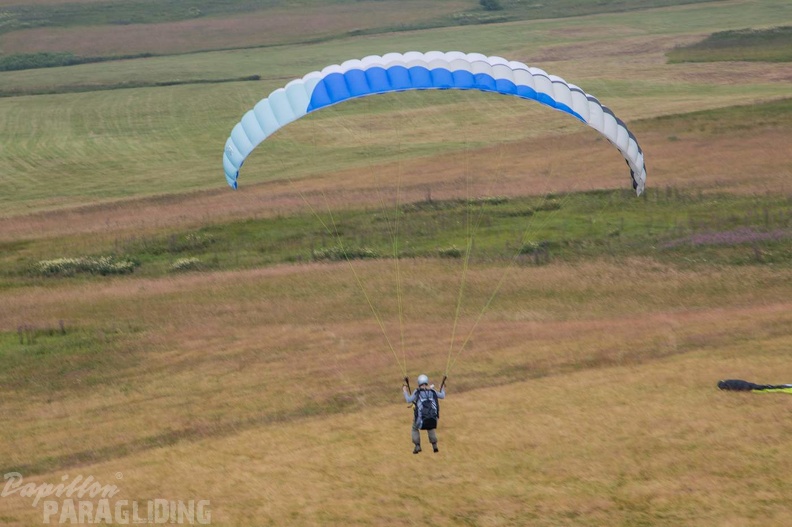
(733, 237)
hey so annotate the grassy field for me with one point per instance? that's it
(94, 29)
(61, 138)
(766, 45)
(584, 336)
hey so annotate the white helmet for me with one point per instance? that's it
(423, 379)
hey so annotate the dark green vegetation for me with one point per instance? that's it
(25, 61)
(766, 45)
(491, 5)
(80, 88)
(513, 10)
(770, 115)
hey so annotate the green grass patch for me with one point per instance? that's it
(47, 358)
(756, 45)
(743, 118)
(668, 224)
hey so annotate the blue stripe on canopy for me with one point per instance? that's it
(338, 87)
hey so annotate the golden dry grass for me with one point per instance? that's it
(275, 327)
(649, 442)
(587, 395)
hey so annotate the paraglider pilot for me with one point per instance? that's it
(426, 409)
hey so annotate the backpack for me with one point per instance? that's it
(427, 409)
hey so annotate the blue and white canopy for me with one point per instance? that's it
(424, 71)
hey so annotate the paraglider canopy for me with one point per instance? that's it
(423, 71)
